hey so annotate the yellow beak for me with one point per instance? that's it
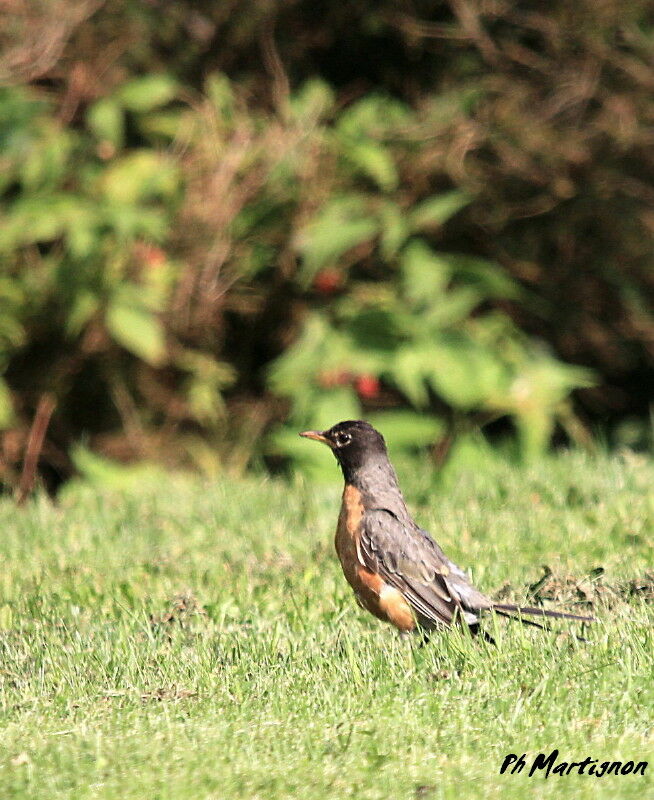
(317, 435)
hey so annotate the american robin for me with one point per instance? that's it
(396, 569)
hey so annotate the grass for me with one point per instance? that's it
(190, 640)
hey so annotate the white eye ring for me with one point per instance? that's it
(343, 439)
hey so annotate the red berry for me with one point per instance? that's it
(328, 281)
(367, 386)
(150, 255)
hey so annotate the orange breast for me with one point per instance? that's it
(376, 596)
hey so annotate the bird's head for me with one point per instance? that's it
(355, 444)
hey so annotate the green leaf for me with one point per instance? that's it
(394, 230)
(297, 364)
(319, 349)
(374, 161)
(146, 93)
(541, 381)
(333, 406)
(374, 329)
(455, 306)
(408, 374)
(312, 101)
(425, 274)
(373, 117)
(43, 164)
(205, 400)
(129, 221)
(43, 219)
(204, 386)
(406, 430)
(12, 310)
(488, 276)
(106, 119)
(218, 89)
(133, 325)
(165, 124)
(84, 306)
(6, 406)
(463, 373)
(436, 210)
(141, 175)
(341, 224)
(140, 295)
(535, 427)
(206, 367)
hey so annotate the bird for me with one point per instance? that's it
(397, 571)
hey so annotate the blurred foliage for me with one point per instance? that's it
(85, 286)
(232, 219)
(407, 325)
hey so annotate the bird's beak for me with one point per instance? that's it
(317, 435)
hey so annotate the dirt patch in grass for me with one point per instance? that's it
(590, 591)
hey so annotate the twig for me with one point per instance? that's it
(442, 448)
(44, 411)
(34, 35)
(275, 67)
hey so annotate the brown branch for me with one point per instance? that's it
(45, 408)
(469, 18)
(34, 35)
(275, 67)
(442, 448)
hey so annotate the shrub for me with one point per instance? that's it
(211, 231)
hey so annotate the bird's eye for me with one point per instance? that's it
(343, 439)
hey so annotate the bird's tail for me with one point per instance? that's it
(532, 611)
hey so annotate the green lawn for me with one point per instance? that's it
(195, 640)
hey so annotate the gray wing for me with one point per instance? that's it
(408, 559)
